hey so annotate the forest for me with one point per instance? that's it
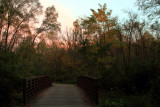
(123, 55)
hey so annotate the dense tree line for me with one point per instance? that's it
(23, 47)
(124, 56)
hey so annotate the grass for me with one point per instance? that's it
(117, 99)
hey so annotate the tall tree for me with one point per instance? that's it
(15, 16)
(49, 24)
(129, 32)
(150, 7)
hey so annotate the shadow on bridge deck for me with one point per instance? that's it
(59, 95)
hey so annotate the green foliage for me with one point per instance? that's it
(124, 57)
(131, 101)
(10, 82)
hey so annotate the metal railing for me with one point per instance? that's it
(34, 85)
(90, 86)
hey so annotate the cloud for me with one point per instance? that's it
(65, 14)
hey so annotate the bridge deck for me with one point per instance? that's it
(59, 95)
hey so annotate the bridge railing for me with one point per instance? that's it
(90, 86)
(32, 86)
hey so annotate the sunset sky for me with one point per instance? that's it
(70, 10)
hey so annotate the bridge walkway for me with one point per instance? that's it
(59, 95)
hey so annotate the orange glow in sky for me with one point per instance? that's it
(66, 17)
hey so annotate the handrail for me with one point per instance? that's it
(90, 86)
(32, 86)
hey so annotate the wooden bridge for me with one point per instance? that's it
(40, 92)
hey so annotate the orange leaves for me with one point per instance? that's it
(103, 18)
(98, 26)
(103, 13)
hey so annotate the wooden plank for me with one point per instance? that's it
(60, 95)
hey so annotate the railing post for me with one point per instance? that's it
(24, 91)
(97, 93)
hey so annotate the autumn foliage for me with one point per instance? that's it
(124, 56)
